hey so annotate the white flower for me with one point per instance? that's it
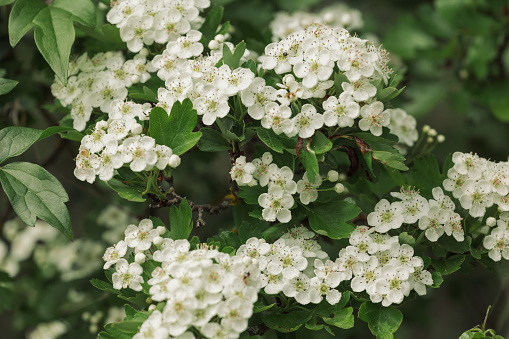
(320, 287)
(261, 171)
(152, 328)
(282, 177)
(455, 182)
(356, 63)
(288, 262)
(114, 254)
(434, 222)
(127, 275)
(441, 200)
(361, 90)
(235, 314)
(242, 172)
(419, 279)
(86, 165)
(497, 243)
(453, 227)
(316, 66)
(256, 96)
(178, 313)
(298, 288)
(386, 216)
(308, 191)
(403, 257)
(188, 46)
(277, 118)
(137, 31)
(374, 118)
(276, 204)
(469, 164)
(365, 274)
(140, 152)
(306, 122)
(140, 237)
(232, 82)
(414, 209)
(393, 284)
(273, 283)
(403, 126)
(340, 111)
(476, 197)
(212, 105)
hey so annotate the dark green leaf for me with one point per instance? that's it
(7, 85)
(21, 18)
(405, 238)
(104, 286)
(320, 143)
(211, 23)
(449, 265)
(6, 2)
(389, 93)
(233, 60)
(270, 139)
(261, 308)
(287, 322)
(250, 194)
(54, 36)
(212, 141)
(34, 192)
(8, 298)
(181, 221)
(308, 158)
(332, 219)
(382, 321)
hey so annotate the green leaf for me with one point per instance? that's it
(250, 194)
(54, 36)
(104, 286)
(389, 93)
(126, 192)
(212, 141)
(261, 308)
(342, 318)
(211, 23)
(16, 140)
(8, 298)
(21, 18)
(181, 221)
(381, 150)
(6, 2)
(7, 85)
(286, 322)
(175, 131)
(450, 265)
(320, 143)
(270, 139)
(34, 192)
(82, 11)
(308, 158)
(332, 219)
(382, 321)
(233, 60)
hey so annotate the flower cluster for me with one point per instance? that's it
(434, 216)
(117, 142)
(478, 183)
(337, 15)
(278, 201)
(187, 74)
(203, 288)
(100, 82)
(312, 55)
(497, 242)
(143, 22)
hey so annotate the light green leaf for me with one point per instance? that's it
(382, 321)
(212, 141)
(342, 318)
(21, 18)
(181, 221)
(308, 158)
(320, 143)
(34, 192)
(82, 11)
(54, 36)
(15, 140)
(6, 2)
(127, 192)
(389, 93)
(175, 131)
(232, 60)
(333, 219)
(7, 85)
(270, 139)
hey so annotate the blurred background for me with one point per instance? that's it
(452, 55)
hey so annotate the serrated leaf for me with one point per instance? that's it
(7, 85)
(233, 60)
(21, 18)
(54, 36)
(342, 318)
(269, 138)
(308, 158)
(211, 23)
(332, 219)
(35, 193)
(181, 221)
(126, 192)
(250, 194)
(82, 11)
(175, 131)
(212, 141)
(382, 321)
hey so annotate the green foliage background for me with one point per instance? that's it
(453, 56)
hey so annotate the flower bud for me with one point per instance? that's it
(426, 128)
(339, 188)
(152, 307)
(161, 230)
(174, 161)
(135, 79)
(440, 139)
(342, 177)
(333, 176)
(219, 38)
(139, 258)
(158, 240)
(136, 129)
(430, 140)
(432, 132)
(144, 52)
(491, 221)
(213, 44)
